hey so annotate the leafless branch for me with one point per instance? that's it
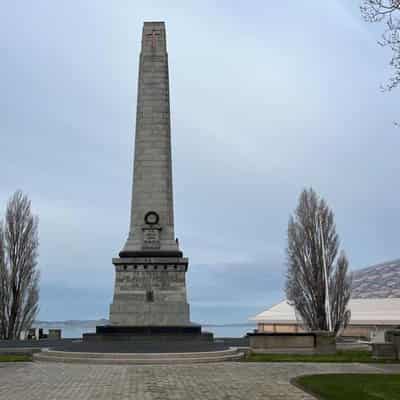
(388, 12)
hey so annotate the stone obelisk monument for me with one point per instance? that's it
(150, 288)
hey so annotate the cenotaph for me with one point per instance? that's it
(150, 285)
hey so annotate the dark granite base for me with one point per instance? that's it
(149, 330)
(150, 334)
(145, 347)
(155, 253)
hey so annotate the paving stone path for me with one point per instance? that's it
(224, 381)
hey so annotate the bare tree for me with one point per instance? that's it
(4, 287)
(388, 12)
(317, 285)
(19, 276)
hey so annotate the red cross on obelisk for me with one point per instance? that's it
(153, 39)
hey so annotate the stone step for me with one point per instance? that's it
(202, 354)
(138, 358)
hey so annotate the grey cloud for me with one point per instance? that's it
(265, 100)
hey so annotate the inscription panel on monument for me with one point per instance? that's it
(151, 238)
(143, 280)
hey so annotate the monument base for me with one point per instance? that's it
(188, 333)
(150, 290)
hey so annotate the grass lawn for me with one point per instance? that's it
(15, 357)
(352, 386)
(340, 356)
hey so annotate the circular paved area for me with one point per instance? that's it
(225, 381)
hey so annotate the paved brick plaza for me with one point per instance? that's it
(225, 381)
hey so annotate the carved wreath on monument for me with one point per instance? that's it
(151, 231)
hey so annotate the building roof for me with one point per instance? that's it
(363, 312)
(281, 313)
(375, 298)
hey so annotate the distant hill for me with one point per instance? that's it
(71, 323)
(378, 281)
(93, 323)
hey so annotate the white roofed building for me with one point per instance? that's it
(375, 309)
(369, 318)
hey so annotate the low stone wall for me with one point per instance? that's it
(26, 351)
(383, 351)
(310, 342)
(396, 342)
(389, 350)
(325, 342)
(54, 334)
(390, 335)
(358, 331)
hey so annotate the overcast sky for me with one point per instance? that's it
(266, 98)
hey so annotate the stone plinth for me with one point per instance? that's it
(144, 334)
(150, 291)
